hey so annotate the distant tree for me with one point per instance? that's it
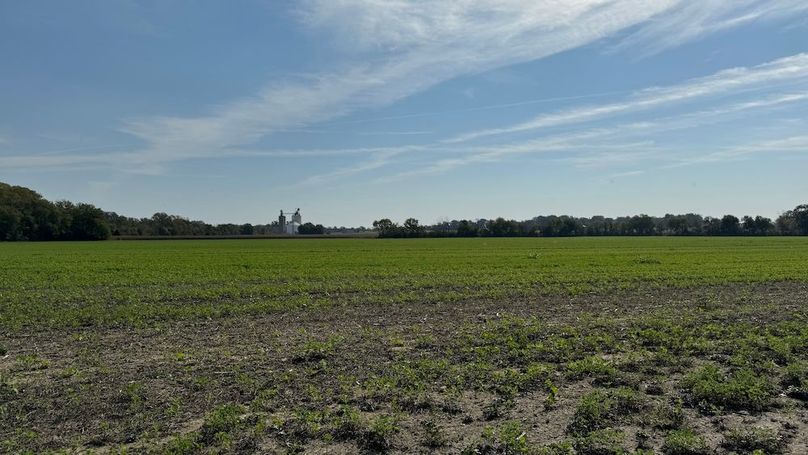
(785, 224)
(641, 225)
(568, 226)
(412, 227)
(597, 225)
(87, 222)
(467, 229)
(503, 228)
(10, 219)
(443, 227)
(748, 225)
(695, 223)
(800, 216)
(385, 227)
(712, 226)
(730, 225)
(311, 229)
(758, 225)
(26, 215)
(676, 225)
(228, 229)
(162, 224)
(763, 225)
(794, 222)
(552, 226)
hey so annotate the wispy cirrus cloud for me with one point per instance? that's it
(790, 144)
(468, 156)
(690, 20)
(377, 160)
(790, 69)
(407, 46)
(411, 45)
(606, 145)
(394, 49)
(798, 143)
(622, 136)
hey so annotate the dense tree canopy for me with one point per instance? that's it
(311, 229)
(26, 215)
(792, 222)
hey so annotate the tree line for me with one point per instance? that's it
(165, 225)
(792, 222)
(26, 215)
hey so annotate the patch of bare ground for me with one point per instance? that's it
(425, 378)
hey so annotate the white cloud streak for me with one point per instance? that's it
(594, 139)
(789, 144)
(376, 161)
(690, 20)
(407, 46)
(377, 157)
(789, 69)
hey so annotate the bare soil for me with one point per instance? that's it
(102, 389)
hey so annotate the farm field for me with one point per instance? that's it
(575, 345)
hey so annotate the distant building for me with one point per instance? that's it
(289, 227)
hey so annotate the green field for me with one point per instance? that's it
(59, 284)
(474, 346)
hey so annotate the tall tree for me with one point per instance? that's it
(800, 216)
(385, 227)
(730, 225)
(412, 227)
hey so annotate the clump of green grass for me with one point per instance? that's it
(606, 441)
(552, 394)
(600, 409)
(535, 374)
(31, 362)
(220, 421)
(594, 411)
(667, 415)
(627, 401)
(506, 439)
(132, 394)
(795, 380)
(346, 423)
(710, 389)
(378, 437)
(182, 445)
(313, 350)
(180, 356)
(752, 439)
(308, 424)
(557, 448)
(685, 442)
(68, 372)
(595, 367)
(434, 436)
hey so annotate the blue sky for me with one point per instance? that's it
(353, 110)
